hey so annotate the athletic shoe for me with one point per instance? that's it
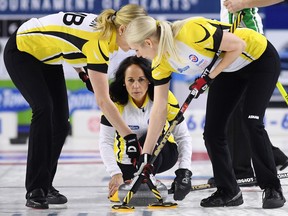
(54, 197)
(272, 198)
(221, 199)
(36, 199)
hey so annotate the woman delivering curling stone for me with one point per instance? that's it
(132, 92)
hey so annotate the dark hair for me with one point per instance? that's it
(118, 92)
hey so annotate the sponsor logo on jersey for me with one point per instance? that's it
(193, 58)
(93, 23)
(181, 70)
(134, 127)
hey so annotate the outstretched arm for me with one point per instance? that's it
(233, 47)
(106, 145)
(237, 5)
(184, 141)
(100, 85)
(157, 117)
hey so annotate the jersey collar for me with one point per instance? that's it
(143, 105)
(112, 43)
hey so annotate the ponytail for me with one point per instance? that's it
(145, 27)
(110, 20)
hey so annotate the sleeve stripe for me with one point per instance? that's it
(105, 121)
(162, 81)
(98, 67)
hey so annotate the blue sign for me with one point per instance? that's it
(12, 100)
(276, 16)
(28, 7)
(81, 99)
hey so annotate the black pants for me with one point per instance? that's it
(44, 88)
(239, 145)
(165, 161)
(258, 79)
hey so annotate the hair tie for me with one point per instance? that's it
(157, 23)
(113, 17)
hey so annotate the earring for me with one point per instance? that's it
(123, 84)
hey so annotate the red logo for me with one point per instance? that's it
(94, 124)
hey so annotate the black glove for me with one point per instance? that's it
(181, 185)
(133, 149)
(143, 163)
(200, 85)
(85, 78)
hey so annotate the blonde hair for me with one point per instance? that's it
(110, 20)
(162, 32)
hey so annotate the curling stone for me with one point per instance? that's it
(143, 196)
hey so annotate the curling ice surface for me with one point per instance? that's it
(81, 176)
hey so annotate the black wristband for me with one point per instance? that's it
(83, 76)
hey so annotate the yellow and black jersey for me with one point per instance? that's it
(69, 37)
(198, 40)
(137, 119)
